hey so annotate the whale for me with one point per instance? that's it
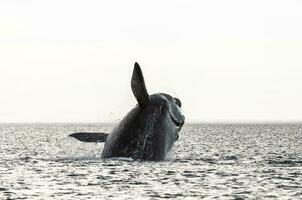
(148, 131)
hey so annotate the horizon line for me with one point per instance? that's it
(187, 122)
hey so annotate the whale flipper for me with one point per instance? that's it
(138, 86)
(90, 137)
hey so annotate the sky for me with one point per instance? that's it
(227, 61)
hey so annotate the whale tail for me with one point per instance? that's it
(90, 137)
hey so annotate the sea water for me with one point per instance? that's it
(211, 161)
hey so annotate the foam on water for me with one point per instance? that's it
(39, 161)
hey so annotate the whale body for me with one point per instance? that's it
(148, 131)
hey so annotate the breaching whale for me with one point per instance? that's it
(148, 131)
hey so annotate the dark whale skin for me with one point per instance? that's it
(146, 133)
(90, 137)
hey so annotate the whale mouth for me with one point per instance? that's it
(178, 123)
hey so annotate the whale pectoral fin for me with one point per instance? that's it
(90, 137)
(138, 86)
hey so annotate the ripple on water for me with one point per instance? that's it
(38, 161)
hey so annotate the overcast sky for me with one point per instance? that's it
(71, 61)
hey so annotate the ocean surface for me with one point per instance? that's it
(211, 161)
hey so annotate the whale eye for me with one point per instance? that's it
(177, 101)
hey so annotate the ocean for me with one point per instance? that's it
(209, 161)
